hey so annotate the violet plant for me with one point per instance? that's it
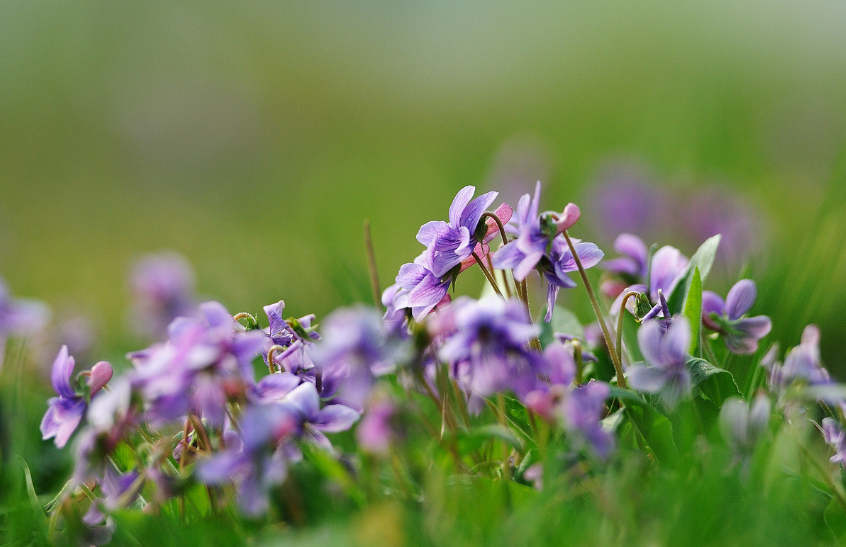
(224, 416)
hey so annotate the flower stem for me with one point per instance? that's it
(621, 381)
(488, 275)
(499, 225)
(371, 266)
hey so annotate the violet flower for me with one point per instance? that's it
(447, 244)
(802, 363)
(836, 438)
(355, 347)
(420, 289)
(740, 333)
(546, 250)
(666, 269)
(489, 349)
(312, 421)
(582, 410)
(666, 355)
(743, 425)
(66, 411)
(163, 289)
(377, 431)
(257, 461)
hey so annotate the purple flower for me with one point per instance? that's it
(258, 460)
(282, 333)
(488, 350)
(666, 269)
(740, 333)
(356, 347)
(548, 251)
(312, 421)
(163, 289)
(447, 244)
(377, 432)
(205, 358)
(666, 356)
(635, 260)
(116, 488)
(801, 363)
(420, 289)
(834, 437)
(742, 425)
(66, 411)
(582, 410)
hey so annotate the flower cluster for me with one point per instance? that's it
(489, 385)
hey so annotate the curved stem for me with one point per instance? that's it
(499, 225)
(271, 354)
(621, 381)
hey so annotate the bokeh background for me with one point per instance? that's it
(254, 138)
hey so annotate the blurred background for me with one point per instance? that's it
(254, 139)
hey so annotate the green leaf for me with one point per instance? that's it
(716, 384)
(692, 309)
(703, 259)
(563, 321)
(654, 428)
(476, 437)
(33, 497)
(835, 519)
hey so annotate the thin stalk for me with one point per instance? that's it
(371, 266)
(499, 225)
(488, 275)
(271, 355)
(621, 381)
(580, 365)
(505, 284)
(201, 432)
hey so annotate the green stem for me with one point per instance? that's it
(621, 381)
(488, 275)
(371, 266)
(620, 324)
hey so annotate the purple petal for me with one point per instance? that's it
(508, 256)
(755, 327)
(334, 418)
(430, 231)
(428, 292)
(526, 265)
(60, 376)
(305, 398)
(589, 255)
(634, 248)
(676, 342)
(61, 419)
(623, 265)
(667, 265)
(647, 378)
(216, 314)
(221, 468)
(740, 298)
(712, 303)
(473, 212)
(273, 387)
(410, 275)
(462, 198)
(210, 400)
(649, 339)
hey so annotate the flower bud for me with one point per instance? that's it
(568, 218)
(101, 373)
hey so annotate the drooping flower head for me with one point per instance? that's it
(666, 354)
(743, 425)
(728, 317)
(65, 412)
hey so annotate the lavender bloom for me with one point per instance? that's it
(742, 425)
(421, 290)
(163, 289)
(376, 431)
(666, 355)
(834, 437)
(801, 363)
(666, 269)
(582, 411)
(114, 488)
(258, 460)
(303, 403)
(488, 350)
(740, 333)
(355, 347)
(447, 244)
(19, 317)
(534, 247)
(281, 333)
(635, 260)
(204, 359)
(66, 411)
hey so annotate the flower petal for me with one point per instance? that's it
(334, 418)
(740, 298)
(459, 203)
(60, 375)
(473, 212)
